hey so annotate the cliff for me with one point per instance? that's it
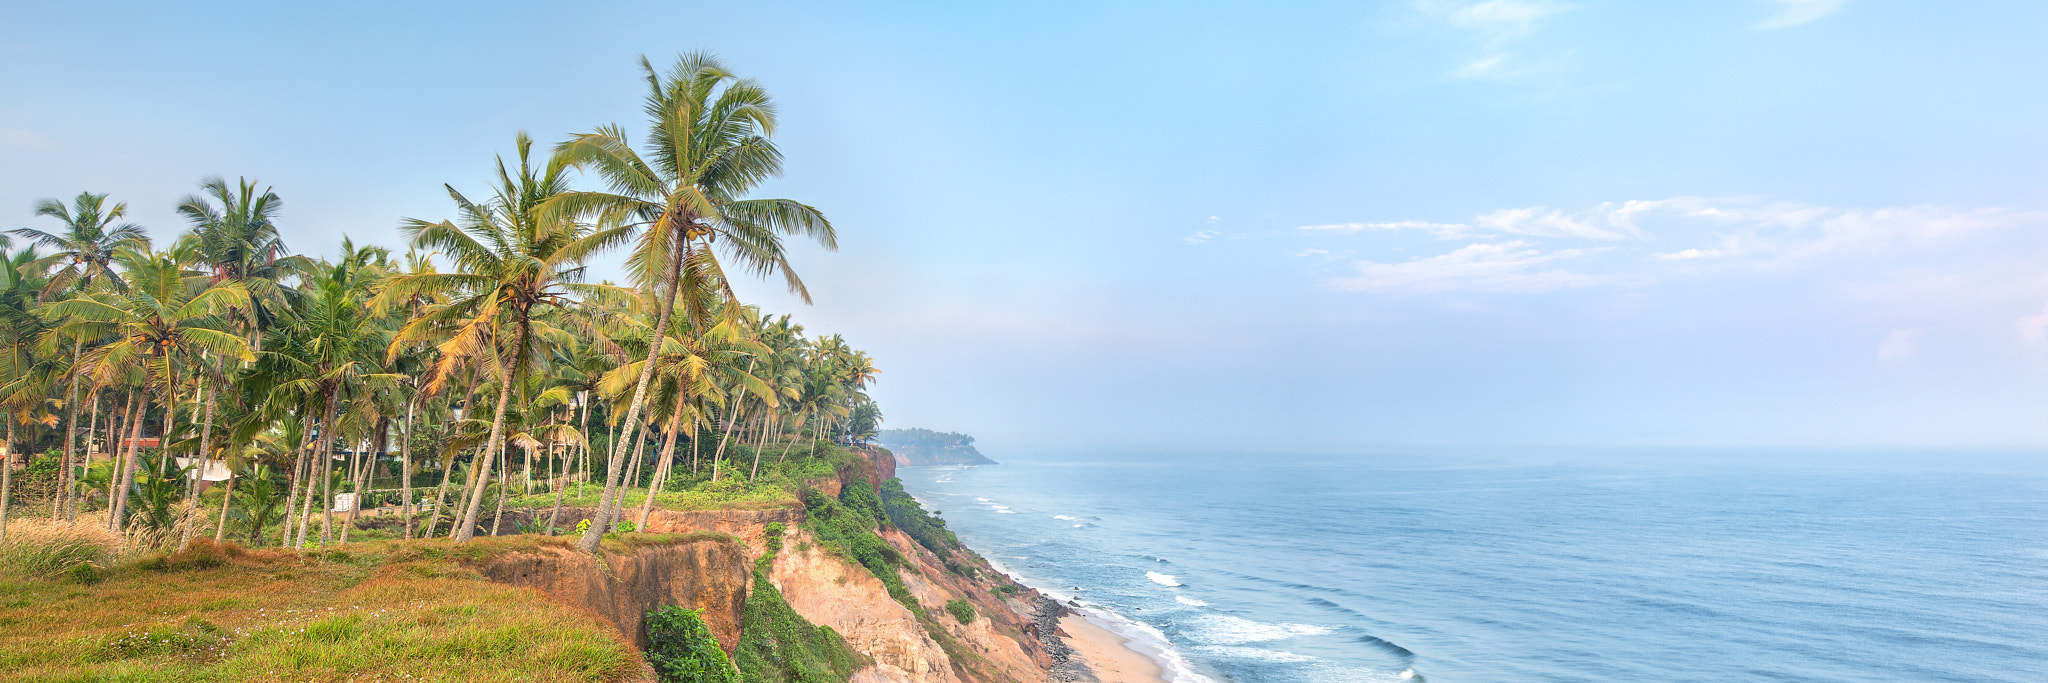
(897, 620)
(925, 448)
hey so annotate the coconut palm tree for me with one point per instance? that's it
(708, 147)
(82, 256)
(512, 264)
(166, 316)
(26, 371)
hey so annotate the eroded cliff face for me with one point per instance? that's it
(832, 592)
(709, 574)
(924, 646)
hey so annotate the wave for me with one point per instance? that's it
(1223, 629)
(1144, 639)
(984, 500)
(1066, 518)
(1191, 602)
(1166, 580)
(1006, 512)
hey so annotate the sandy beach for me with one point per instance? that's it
(1106, 655)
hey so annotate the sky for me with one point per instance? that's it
(1256, 227)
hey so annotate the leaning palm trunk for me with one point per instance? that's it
(227, 500)
(300, 459)
(605, 500)
(205, 459)
(495, 445)
(582, 435)
(118, 503)
(327, 467)
(639, 452)
(729, 420)
(441, 495)
(668, 449)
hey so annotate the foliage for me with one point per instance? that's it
(849, 531)
(777, 645)
(36, 547)
(961, 610)
(681, 649)
(910, 516)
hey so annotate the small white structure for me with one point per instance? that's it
(344, 502)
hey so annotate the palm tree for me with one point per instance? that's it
(26, 372)
(326, 349)
(708, 146)
(166, 313)
(83, 255)
(512, 264)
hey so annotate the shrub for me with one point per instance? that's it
(681, 649)
(906, 514)
(961, 610)
(45, 548)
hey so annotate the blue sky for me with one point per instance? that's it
(1328, 226)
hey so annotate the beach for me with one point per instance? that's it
(1106, 653)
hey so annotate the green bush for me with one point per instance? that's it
(906, 514)
(681, 649)
(961, 610)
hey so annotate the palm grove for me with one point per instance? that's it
(476, 370)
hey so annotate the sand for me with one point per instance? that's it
(1106, 654)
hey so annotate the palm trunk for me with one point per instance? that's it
(668, 307)
(300, 456)
(327, 434)
(405, 507)
(226, 500)
(7, 477)
(668, 449)
(117, 494)
(71, 493)
(730, 419)
(205, 459)
(59, 503)
(492, 446)
(793, 436)
(441, 495)
(504, 487)
(639, 453)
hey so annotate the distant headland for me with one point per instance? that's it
(924, 447)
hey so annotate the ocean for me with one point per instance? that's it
(1533, 567)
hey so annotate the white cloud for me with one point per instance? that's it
(1506, 267)
(1493, 25)
(1901, 344)
(1201, 236)
(1687, 255)
(1797, 12)
(1441, 230)
(2034, 328)
(1607, 221)
(16, 137)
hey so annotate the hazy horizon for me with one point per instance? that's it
(1315, 227)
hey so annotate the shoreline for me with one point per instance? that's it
(1107, 656)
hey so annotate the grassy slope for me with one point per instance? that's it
(379, 612)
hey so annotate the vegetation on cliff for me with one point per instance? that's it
(923, 447)
(777, 645)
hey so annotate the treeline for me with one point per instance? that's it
(926, 447)
(479, 358)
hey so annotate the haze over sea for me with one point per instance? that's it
(1551, 566)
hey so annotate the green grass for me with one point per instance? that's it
(375, 612)
(777, 645)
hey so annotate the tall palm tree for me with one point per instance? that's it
(708, 146)
(82, 254)
(165, 316)
(512, 263)
(26, 371)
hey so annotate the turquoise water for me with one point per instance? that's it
(1754, 567)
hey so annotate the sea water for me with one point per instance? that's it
(1543, 567)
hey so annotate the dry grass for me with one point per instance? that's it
(40, 547)
(397, 611)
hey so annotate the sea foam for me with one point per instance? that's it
(1223, 629)
(1166, 580)
(1191, 602)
